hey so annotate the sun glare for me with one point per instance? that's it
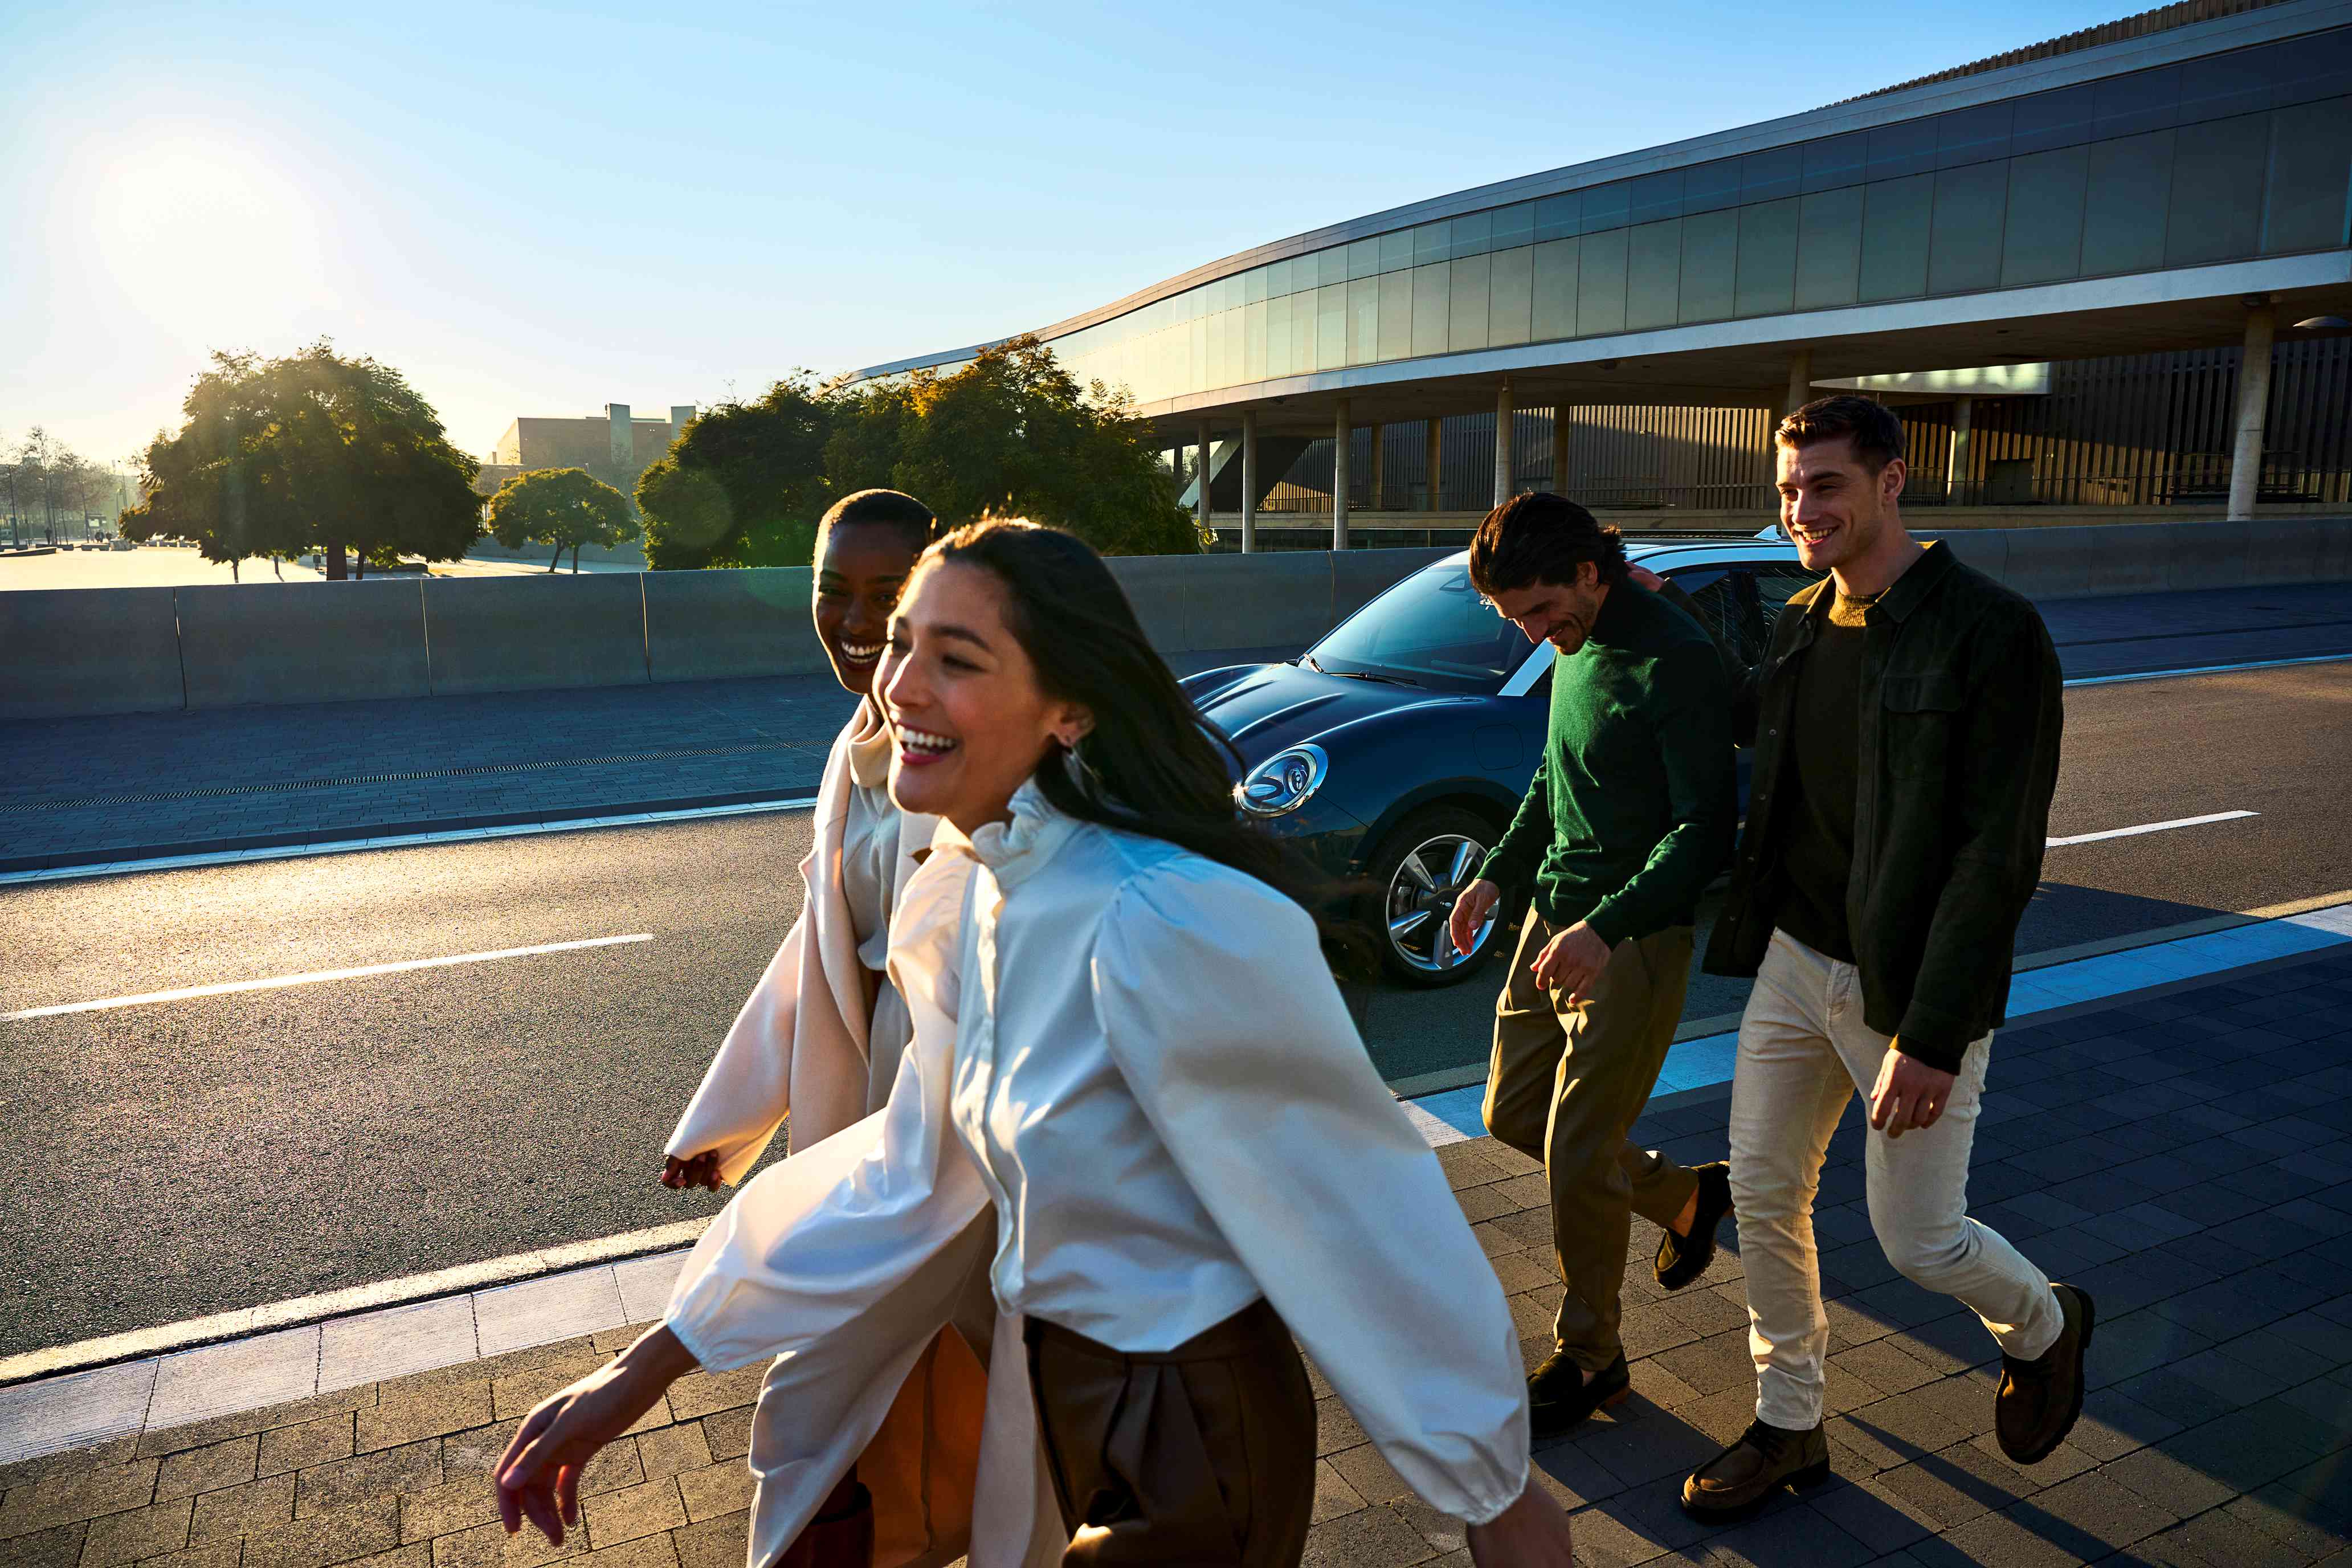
(206, 238)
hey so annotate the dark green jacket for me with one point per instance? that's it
(1956, 762)
(1633, 810)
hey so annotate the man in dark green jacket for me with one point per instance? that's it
(1630, 815)
(1906, 723)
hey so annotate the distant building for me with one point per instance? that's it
(2112, 270)
(615, 447)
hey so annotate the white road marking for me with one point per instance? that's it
(228, 987)
(2153, 827)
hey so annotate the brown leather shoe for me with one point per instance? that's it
(1738, 1481)
(1558, 1397)
(1683, 1258)
(2039, 1399)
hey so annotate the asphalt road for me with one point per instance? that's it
(178, 1158)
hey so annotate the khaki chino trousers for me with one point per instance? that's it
(1566, 1083)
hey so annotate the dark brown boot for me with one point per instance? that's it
(2039, 1399)
(1738, 1481)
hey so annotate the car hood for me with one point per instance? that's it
(1265, 708)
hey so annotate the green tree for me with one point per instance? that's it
(310, 451)
(1013, 434)
(560, 507)
(744, 484)
(1009, 434)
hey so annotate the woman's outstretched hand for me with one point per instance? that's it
(701, 1171)
(1532, 1532)
(539, 1475)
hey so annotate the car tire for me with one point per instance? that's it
(1435, 839)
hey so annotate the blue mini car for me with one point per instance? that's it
(1396, 750)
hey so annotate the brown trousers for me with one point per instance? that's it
(1565, 1084)
(1203, 1454)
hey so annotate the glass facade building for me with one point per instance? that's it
(2230, 156)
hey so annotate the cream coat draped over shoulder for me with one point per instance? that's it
(1155, 1088)
(802, 1045)
(855, 1262)
(807, 1045)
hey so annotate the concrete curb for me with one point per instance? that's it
(301, 1311)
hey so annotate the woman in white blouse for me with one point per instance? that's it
(1153, 1088)
(820, 1038)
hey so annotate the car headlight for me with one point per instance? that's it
(1283, 782)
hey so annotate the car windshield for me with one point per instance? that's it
(1432, 629)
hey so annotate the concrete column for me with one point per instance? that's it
(1379, 492)
(2254, 402)
(1201, 474)
(1801, 381)
(1343, 431)
(1503, 410)
(1249, 480)
(1559, 449)
(1956, 476)
(1435, 462)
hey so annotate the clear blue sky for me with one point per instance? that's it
(539, 210)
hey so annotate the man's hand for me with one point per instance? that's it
(1533, 1532)
(1909, 1094)
(1470, 912)
(701, 1171)
(539, 1475)
(1573, 961)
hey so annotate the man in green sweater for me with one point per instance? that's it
(1631, 813)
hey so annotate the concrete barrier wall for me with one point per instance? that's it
(88, 650)
(526, 634)
(719, 626)
(243, 644)
(120, 650)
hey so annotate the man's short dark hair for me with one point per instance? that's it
(1541, 537)
(1877, 434)
(891, 509)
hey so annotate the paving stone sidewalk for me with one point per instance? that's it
(2184, 1157)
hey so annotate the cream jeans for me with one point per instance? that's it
(1804, 1050)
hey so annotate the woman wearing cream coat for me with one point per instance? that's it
(1154, 1088)
(820, 1038)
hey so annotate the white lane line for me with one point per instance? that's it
(228, 987)
(2208, 669)
(402, 840)
(2153, 827)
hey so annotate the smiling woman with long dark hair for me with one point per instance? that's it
(1135, 1097)
(819, 1039)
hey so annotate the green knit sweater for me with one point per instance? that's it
(1635, 808)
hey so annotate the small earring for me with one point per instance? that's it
(1081, 771)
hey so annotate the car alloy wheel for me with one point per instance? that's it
(1440, 856)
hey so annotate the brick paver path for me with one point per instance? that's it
(2184, 1158)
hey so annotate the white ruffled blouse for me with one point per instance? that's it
(1155, 1084)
